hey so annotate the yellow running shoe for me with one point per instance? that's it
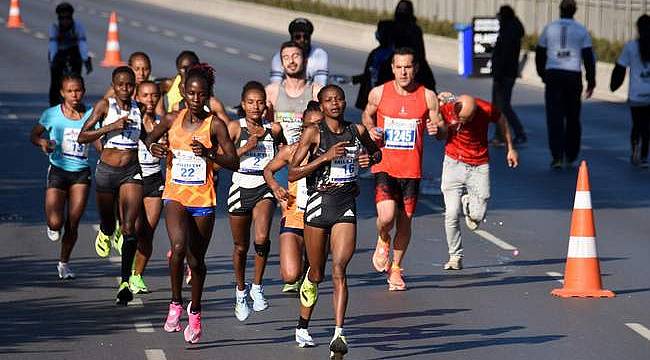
(102, 244)
(308, 292)
(117, 239)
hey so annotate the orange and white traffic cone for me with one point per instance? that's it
(14, 21)
(112, 57)
(582, 271)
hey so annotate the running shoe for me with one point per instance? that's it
(242, 310)
(556, 164)
(308, 292)
(304, 339)
(64, 271)
(338, 347)
(102, 244)
(455, 263)
(124, 294)
(173, 321)
(192, 331)
(53, 235)
(137, 284)
(257, 295)
(118, 239)
(292, 288)
(471, 223)
(380, 258)
(395, 279)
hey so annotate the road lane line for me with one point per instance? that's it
(495, 240)
(639, 329)
(231, 50)
(255, 57)
(153, 28)
(189, 39)
(26, 30)
(558, 277)
(155, 354)
(115, 260)
(209, 44)
(144, 327)
(135, 23)
(137, 302)
(40, 35)
(12, 117)
(169, 33)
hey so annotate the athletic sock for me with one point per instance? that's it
(302, 323)
(129, 247)
(256, 286)
(338, 331)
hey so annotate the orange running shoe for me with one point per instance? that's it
(395, 279)
(380, 258)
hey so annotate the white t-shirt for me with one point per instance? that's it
(564, 40)
(639, 85)
(317, 67)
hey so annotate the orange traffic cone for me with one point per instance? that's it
(112, 56)
(582, 272)
(14, 21)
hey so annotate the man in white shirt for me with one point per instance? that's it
(564, 46)
(300, 30)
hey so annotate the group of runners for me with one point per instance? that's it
(294, 126)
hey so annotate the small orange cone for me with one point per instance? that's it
(14, 21)
(582, 272)
(112, 56)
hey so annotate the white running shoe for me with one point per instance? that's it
(304, 339)
(259, 301)
(64, 271)
(242, 310)
(455, 263)
(53, 235)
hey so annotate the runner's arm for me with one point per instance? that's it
(369, 115)
(159, 150)
(89, 133)
(512, 157)
(372, 150)
(310, 136)
(36, 137)
(435, 124)
(223, 153)
(280, 160)
(217, 108)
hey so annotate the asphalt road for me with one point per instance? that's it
(498, 307)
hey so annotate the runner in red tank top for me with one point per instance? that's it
(397, 114)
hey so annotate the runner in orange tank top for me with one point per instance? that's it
(397, 115)
(194, 137)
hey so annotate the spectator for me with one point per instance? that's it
(563, 47)
(67, 49)
(505, 69)
(300, 30)
(377, 69)
(407, 34)
(636, 56)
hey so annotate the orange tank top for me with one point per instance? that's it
(297, 189)
(189, 179)
(403, 118)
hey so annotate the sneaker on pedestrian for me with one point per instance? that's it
(644, 163)
(102, 244)
(455, 263)
(556, 164)
(242, 309)
(257, 295)
(53, 235)
(308, 292)
(124, 294)
(173, 320)
(338, 347)
(471, 223)
(137, 284)
(65, 272)
(304, 339)
(395, 279)
(380, 258)
(192, 331)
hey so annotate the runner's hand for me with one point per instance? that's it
(363, 160)
(513, 158)
(158, 150)
(375, 135)
(336, 151)
(432, 127)
(121, 123)
(198, 148)
(47, 146)
(281, 194)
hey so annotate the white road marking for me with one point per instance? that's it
(115, 260)
(430, 204)
(231, 109)
(209, 44)
(137, 302)
(40, 35)
(189, 39)
(153, 28)
(495, 240)
(231, 50)
(12, 117)
(118, 280)
(135, 23)
(91, 54)
(169, 33)
(155, 354)
(558, 277)
(143, 327)
(26, 30)
(255, 57)
(639, 329)
(95, 227)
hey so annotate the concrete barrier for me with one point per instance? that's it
(441, 51)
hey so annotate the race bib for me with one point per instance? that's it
(256, 160)
(399, 134)
(345, 168)
(301, 195)
(563, 54)
(188, 169)
(291, 125)
(70, 147)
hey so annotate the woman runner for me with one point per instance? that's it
(335, 151)
(68, 176)
(194, 136)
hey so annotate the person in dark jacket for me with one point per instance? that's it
(377, 69)
(407, 34)
(505, 70)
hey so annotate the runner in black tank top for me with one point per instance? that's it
(336, 150)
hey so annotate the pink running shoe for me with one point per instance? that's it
(173, 321)
(380, 258)
(193, 329)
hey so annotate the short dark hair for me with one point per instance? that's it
(187, 54)
(252, 86)
(568, 8)
(123, 70)
(201, 71)
(73, 77)
(327, 88)
(64, 8)
(139, 54)
(405, 51)
(148, 82)
(289, 44)
(301, 24)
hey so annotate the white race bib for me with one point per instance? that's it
(399, 134)
(188, 169)
(301, 195)
(70, 146)
(291, 125)
(256, 160)
(345, 168)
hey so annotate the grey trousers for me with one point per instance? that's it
(459, 178)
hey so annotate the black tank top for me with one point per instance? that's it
(339, 175)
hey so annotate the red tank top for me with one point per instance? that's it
(403, 118)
